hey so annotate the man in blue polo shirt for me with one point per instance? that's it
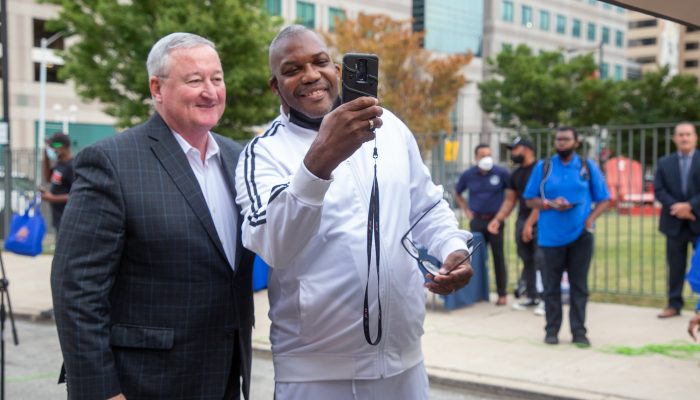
(565, 189)
(486, 185)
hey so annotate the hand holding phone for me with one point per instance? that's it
(360, 76)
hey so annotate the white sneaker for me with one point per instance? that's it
(539, 310)
(525, 305)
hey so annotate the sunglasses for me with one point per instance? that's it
(426, 263)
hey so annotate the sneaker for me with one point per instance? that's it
(551, 338)
(539, 310)
(581, 341)
(525, 305)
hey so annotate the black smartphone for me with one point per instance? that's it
(360, 76)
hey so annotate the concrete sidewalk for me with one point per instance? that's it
(494, 348)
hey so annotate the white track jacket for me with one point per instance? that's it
(313, 233)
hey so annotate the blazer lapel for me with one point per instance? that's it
(168, 151)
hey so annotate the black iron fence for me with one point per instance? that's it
(629, 258)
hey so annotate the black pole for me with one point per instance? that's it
(6, 116)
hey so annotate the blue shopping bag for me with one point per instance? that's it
(26, 231)
(693, 275)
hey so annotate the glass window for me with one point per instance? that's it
(692, 46)
(607, 6)
(620, 9)
(576, 28)
(507, 10)
(306, 14)
(506, 46)
(334, 13)
(691, 63)
(606, 35)
(561, 24)
(274, 7)
(604, 70)
(619, 38)
(644, 23)
(40, 32)
(618, 72)
(592, 2)
(591, 31)
(51, 73)
(526, 17)
(544, 20)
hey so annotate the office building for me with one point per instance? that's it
(653, 42)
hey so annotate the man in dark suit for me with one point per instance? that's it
(151, 285)
(677, 187)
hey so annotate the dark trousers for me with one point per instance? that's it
(677, 260)
(531, 255)
(496, 243)
(575, 258)
(233, 388)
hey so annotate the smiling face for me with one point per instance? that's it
(192, 95)
(303, 75)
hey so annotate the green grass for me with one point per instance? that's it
(675, 350)
(629, 261)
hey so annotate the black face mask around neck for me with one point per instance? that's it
(303, 120)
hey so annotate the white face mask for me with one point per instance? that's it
(485, 164)
(51, 154)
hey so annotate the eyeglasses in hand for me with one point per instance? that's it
(426, 263)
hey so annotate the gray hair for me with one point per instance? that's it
(159, 57)
(289, 32)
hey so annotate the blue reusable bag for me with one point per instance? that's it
(693, 275)
(26, 231)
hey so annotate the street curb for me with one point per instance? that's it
(493, 385)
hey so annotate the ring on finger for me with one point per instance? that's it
(371, 124)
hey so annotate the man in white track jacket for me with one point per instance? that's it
(305, 190)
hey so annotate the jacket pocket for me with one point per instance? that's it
(142, 337)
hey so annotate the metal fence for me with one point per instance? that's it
(629, 257)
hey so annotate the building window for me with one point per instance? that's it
(591, 32)
(642, 42)
(692, 46)
(644, 23)
(619, 38)
(646, 60)
(561, 24)
(691, 63)
(620, 9)
(334, 13)
(618, 72)
(604, 70)
(544, 20)
(606, 35)
(526, 17)
(274, 7)
(506, 46)
(306, 14)
(51, 73)
(592, 2)
(507, 10)
(691, 29)
(576, 28)
(606, 6)
(40, 32)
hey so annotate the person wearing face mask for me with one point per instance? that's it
(58, 172)
(522, 154)
(485, 184)
(565, 190)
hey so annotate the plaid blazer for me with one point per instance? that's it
(146, 303)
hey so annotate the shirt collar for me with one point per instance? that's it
(690, 155)
(212, 146)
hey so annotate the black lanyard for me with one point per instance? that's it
(373, 232)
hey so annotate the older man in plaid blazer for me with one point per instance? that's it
(151, 286)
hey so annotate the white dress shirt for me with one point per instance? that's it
(210, 177)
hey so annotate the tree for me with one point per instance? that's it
(418, 86)
(659, 97)
(107, 62)
(542, 90)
